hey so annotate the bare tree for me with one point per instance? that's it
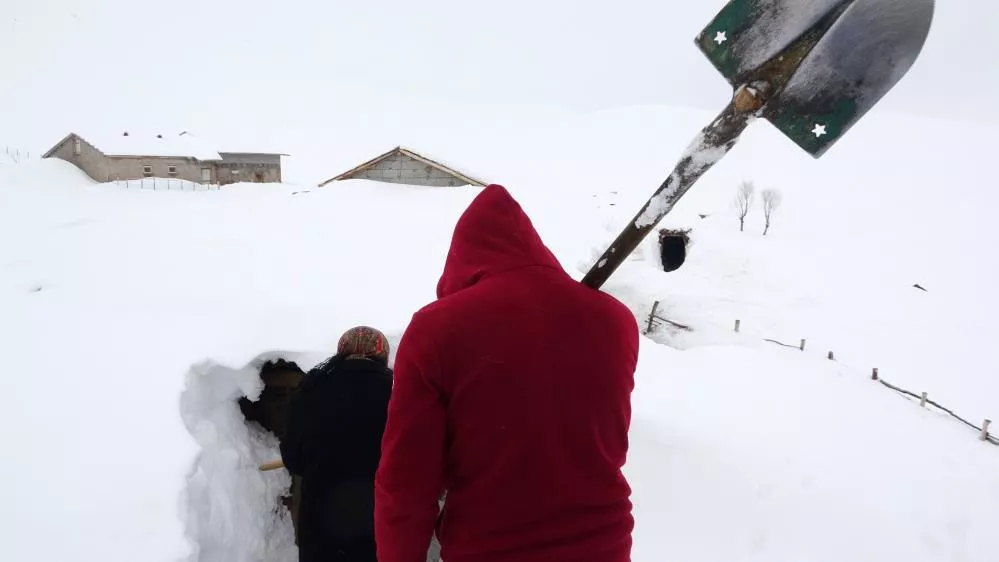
(744, 201)
(771, 200)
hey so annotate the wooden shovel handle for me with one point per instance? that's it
(711, 145)
(272, 465)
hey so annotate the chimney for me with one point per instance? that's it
(126, 134)
(159, 136)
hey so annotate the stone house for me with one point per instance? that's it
(131, 156)
(401, 165)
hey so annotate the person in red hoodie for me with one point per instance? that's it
(512, 393)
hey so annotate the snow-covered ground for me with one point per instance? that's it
(133, 319)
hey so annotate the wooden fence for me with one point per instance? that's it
(166, 184)
(656, 320)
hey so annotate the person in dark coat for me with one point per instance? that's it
(512, 394)
(332, 441)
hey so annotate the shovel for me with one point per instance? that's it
(271, 465)
(812, 68)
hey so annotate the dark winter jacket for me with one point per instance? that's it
(512, 393)
(333, 437)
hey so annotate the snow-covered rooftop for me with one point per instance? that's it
(143, 143)
(150, 143)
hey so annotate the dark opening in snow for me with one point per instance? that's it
(673, 248)
(280, 379)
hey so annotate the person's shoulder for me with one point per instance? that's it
(611, 308)
(385, 376)
(380, 382)
(435, 312)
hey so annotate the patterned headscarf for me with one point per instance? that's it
(363, 342)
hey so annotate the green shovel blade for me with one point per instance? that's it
(855, 51)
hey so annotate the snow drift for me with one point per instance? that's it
(232, 509)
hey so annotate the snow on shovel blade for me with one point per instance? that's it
(861, 49)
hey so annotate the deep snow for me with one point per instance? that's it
(132, 319)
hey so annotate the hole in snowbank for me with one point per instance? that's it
(280, 379)
(232, 510)
(269, 411)
(673, 248)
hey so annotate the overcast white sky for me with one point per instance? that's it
(283, 64)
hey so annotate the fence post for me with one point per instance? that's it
(832, 356)
(874, 374)
(803, 344)
(737, 324)
(985, 430)
(652, 315)
(922, 402)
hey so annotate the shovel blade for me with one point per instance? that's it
(857, 50)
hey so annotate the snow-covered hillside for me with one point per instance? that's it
(132, 320)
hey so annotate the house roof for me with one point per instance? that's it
(409, 153)
(139, 143)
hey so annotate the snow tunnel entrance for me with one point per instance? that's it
(673, 248)
(281, 379)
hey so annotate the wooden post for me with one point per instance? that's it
(923, 401)
(832, 356)
(737, 323)
(803, 344)
(985, 430)
(874, 374)
(652, 316)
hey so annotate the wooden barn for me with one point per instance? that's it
(404, 166)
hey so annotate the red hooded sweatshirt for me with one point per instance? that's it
(512, 393)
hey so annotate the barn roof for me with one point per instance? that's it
(411, 154)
